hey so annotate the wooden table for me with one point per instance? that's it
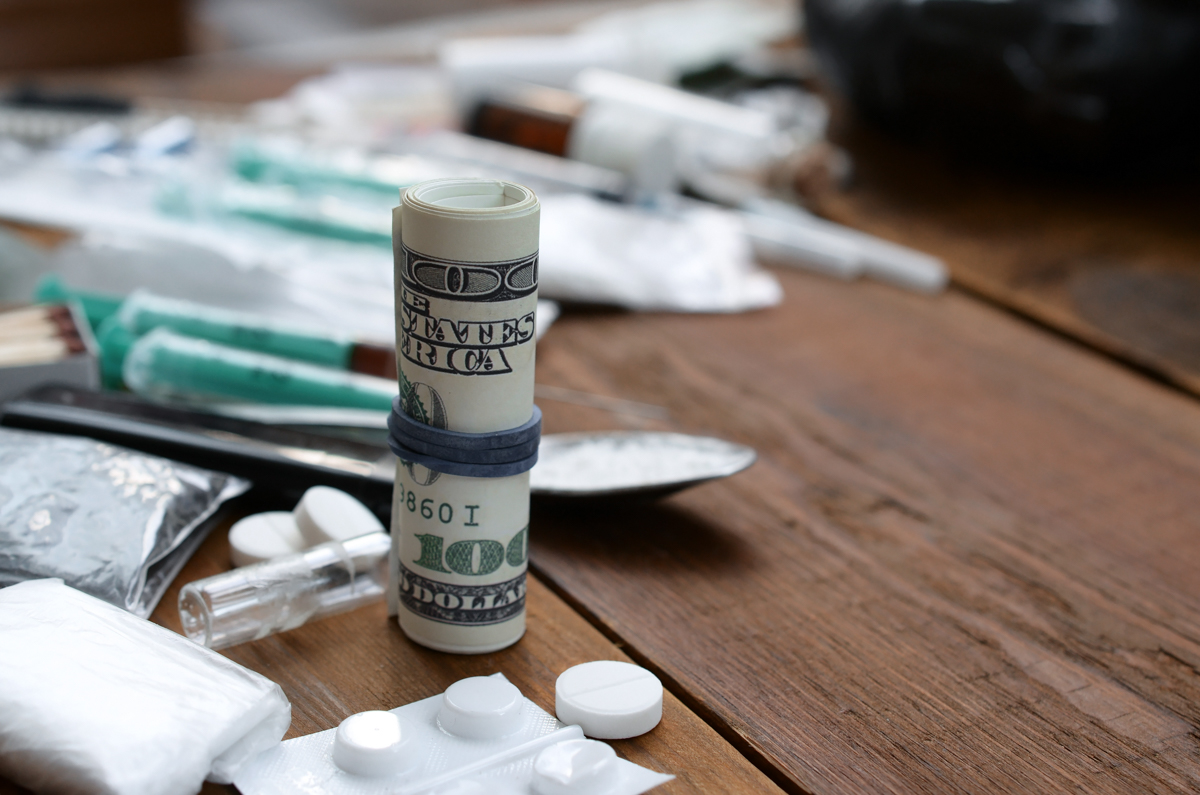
(968, 559)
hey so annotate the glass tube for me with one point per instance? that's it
(277, 595)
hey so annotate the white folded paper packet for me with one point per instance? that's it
(96, 700)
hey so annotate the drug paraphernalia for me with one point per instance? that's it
(478, 66)
(787, 231)
(45, 344)
(93, 699)
(618, 137)
(609, 700)
(282, 461)
(466, 294)
(545, 172)
(114, 523)
(685, 112)
(480, 737)
(804, 246)
(677, 256)
(166, 365)
(632, 463)
(277, 595)
(328, 514)
(264, 536)
(143, 312)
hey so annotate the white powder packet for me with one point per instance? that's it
(96, 700)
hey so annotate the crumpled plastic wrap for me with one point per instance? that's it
(114, 523)
(94, 700)
(687, 258)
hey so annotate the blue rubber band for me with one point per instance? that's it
(462, 468)
(404, 426)
(479, 455)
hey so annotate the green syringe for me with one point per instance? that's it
(143, 312)
(164, 364)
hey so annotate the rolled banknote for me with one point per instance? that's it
(466, 257)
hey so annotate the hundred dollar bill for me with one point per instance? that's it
(466, 264)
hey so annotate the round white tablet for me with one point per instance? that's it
(262, 536)
(609, 700)
(327, 514)
(481, 708)
(374, 744)
(575, 767)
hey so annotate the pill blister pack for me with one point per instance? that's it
(480, 736)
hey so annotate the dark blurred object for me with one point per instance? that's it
(759, 68)
(42, 34)
(30, 97)
(1071, 84)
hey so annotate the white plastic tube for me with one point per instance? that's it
(680, 108)
(786, 230)
(478, 66)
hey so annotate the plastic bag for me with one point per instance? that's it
(94, 700)
(685, 258)
(114, 523)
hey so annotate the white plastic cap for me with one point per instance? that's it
(374, 744)
(481, 708)
(629, 140)
(575, 767)
(327, 514)
(263, 536)
(609, 700)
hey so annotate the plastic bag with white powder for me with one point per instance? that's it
(688, 258)
(96, 700)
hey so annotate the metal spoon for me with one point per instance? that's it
(632, 463)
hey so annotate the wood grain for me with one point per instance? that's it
(361, 660)
(1114, 265)
(965, 562)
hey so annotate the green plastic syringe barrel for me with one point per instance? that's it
(143, 312)
(115, 341)
(164, 364)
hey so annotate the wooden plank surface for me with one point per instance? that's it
(965, 562)
(1114, 265)
(359, 661)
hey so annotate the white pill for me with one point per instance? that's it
(575, 767)
(326, 514)
(374, 744)
(481, 708)
(262, 536)
(609, 700)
